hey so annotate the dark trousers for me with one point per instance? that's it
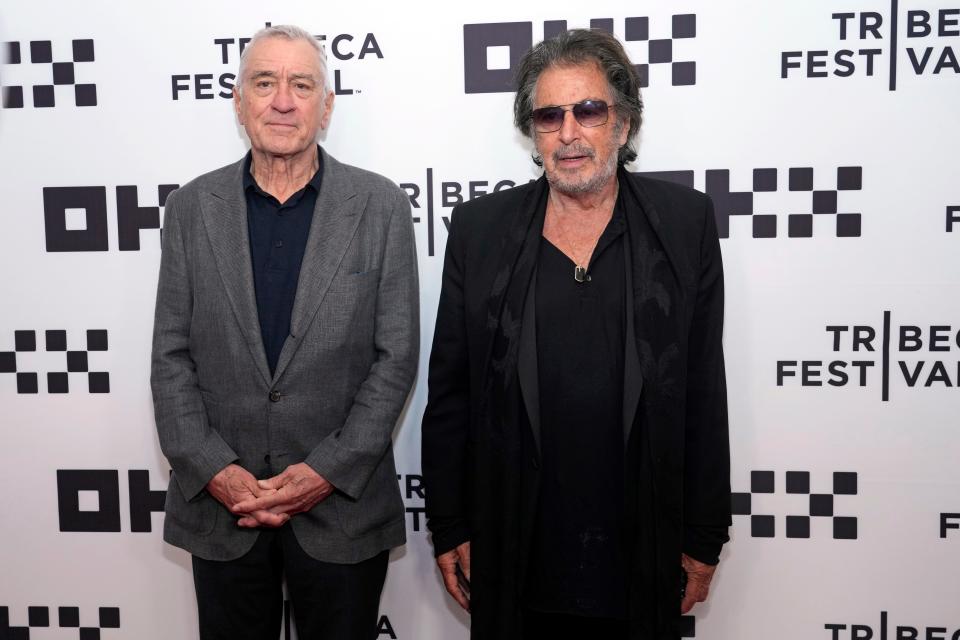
(538, 625)
(242, 599)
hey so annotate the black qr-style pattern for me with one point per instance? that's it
(41, 617)
(75, 361)
(761, 525)
(661, 50)
(62, 73)
(729, 203)
(819, 505)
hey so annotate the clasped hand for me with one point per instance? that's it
(270, 502)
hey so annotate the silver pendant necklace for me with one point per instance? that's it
(579, 271)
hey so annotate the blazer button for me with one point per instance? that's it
(274, 396)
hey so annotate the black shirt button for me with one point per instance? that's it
(278, 243)
(266, 458)
(274, 396)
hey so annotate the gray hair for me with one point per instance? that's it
(286, 32)
(575, 47)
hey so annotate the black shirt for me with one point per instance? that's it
(578, 561)
(278, 239)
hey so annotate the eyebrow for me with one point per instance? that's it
(256, 75)
(570, 104)
(262, 74)
(303, 76)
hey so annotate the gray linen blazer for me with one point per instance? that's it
(341, 380)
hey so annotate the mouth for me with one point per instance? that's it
(572, 161)
(573, 156)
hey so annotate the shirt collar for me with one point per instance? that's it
(249, 181)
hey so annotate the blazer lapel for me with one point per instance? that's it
(335, 221)
(527, 368)
(657, 280)
(517, 256)
(650, 212)
(632, 374)
(224, 210)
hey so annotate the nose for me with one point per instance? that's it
(283, 98)
(569, 129)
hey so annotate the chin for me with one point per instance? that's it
(572, 188)
(283, 147)
(565, 178)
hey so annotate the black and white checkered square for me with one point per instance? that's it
(76, 361)
(66, 618)
(660, 51)
(820, 505)
(729, 203)
(761, 525)
(62, 73)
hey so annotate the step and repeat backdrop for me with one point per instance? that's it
(827, 134)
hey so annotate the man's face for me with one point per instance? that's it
(282, 106)
(578, 159)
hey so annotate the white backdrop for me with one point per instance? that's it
(826, 132)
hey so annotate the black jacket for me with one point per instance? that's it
(481, 418)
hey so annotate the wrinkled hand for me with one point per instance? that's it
(448, 570)
(233, 484)
(699, 576)
(299, 488)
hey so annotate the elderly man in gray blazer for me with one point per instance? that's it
(285, 344)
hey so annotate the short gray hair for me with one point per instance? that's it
(286, 32)
(575, 47)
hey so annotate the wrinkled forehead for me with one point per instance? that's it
(570, 83)
(280, 56)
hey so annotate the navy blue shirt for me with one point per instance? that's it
(278, 239)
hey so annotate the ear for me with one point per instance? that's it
(327, 106)
(236, 104)
(624, 131)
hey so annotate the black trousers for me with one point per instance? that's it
(538, 625)
(243, 600)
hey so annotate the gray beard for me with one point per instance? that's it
(588, 185)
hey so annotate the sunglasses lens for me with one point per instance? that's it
(547, 119)
(591, 113)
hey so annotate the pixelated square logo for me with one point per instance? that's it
(43, 74)
(492, 50)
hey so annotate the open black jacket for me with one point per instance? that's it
(481, 425)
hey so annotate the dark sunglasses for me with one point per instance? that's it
(589, 113)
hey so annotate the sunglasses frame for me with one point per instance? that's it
(572, 107)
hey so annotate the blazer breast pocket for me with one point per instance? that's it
(346, 281)
(351, 301)
(352, 284)
(362, 273)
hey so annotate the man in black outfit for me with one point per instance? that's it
(575, 448)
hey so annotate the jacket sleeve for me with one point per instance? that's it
(706, 489)
(348, 457)
(446, 421)
(195, 451)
